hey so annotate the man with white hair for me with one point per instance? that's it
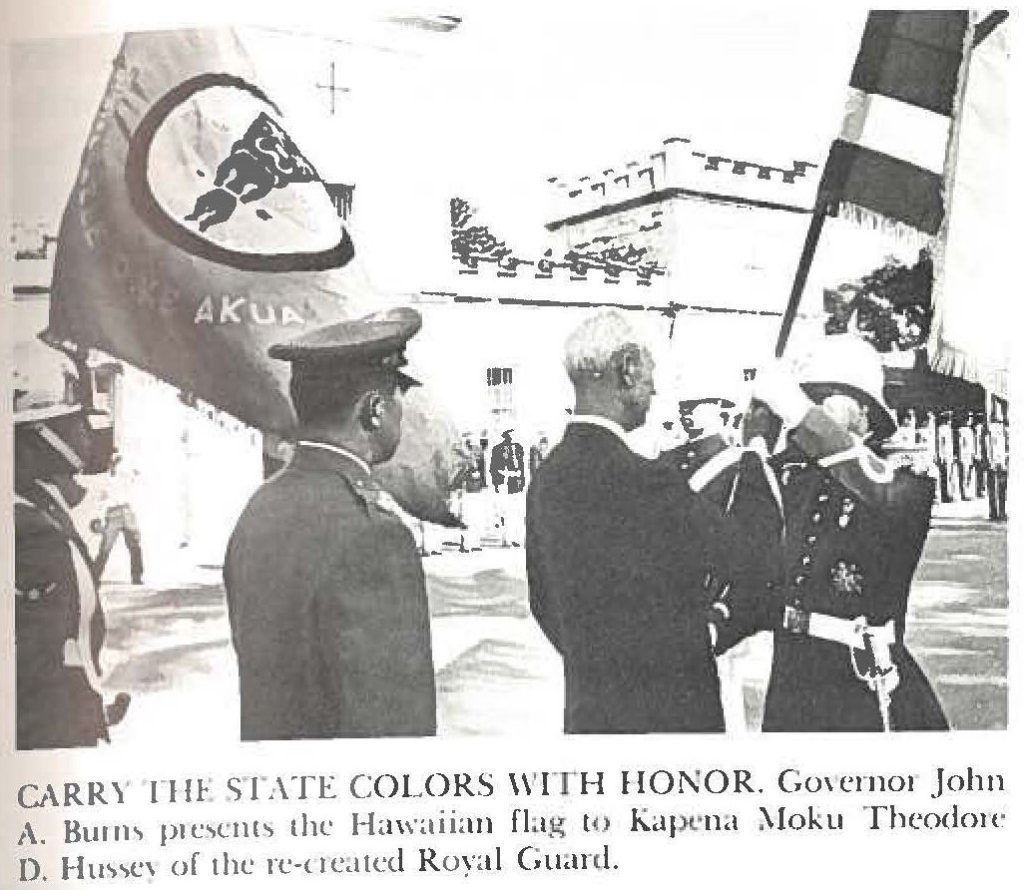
(630, 571)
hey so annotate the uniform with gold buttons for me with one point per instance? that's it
(855, 530)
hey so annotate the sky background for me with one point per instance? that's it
(506, 100)
(489, 111)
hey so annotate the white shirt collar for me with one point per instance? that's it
(605, 424)
(337, 449)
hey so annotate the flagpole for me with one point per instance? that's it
(802, 270)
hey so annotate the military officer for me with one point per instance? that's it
(738, 480)
(966, 454)
(59, 622)
(325, 588)
(855, 529)
(945, 454)
(980, 454)
(998, 464)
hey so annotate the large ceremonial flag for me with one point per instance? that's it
(890, 156)
(199, 232)
(888, 167)
(972, 286)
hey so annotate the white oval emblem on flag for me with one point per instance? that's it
(212, 169)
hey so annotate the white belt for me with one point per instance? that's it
(851, 632)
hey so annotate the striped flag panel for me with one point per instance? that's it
(888, 186)
(912, 56)
(890, 156)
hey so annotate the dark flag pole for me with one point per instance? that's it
(800, 279)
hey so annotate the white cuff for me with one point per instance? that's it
(791, 406)
(759, 446)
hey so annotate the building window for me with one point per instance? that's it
(499, 376)
(499, 388)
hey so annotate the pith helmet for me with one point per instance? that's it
(845, 363)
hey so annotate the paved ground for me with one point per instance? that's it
(169, 645)
(958, 618)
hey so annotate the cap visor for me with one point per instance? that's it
(406, 381)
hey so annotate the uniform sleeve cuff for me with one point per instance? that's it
(793, 407)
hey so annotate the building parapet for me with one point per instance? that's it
(679, 166)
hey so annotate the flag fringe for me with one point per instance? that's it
(955, 362)
(864, 218)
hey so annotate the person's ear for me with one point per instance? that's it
(629, 368)
(371, 410)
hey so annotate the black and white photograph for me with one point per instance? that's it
(559, 443)
(483, 373)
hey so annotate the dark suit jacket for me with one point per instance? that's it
(617, 552)
(328, 608)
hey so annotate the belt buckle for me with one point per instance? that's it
(796, 621)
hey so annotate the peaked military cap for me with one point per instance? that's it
(372, 344)
(690, 404)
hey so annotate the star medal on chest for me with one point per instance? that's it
(847, 578)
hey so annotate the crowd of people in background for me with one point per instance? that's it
(967, 452)
(488, 495)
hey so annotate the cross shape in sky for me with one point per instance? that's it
(332, 87)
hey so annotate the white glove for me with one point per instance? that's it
(776, 386)
(759, 446)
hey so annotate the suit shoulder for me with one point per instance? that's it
(303, 503)
(332, 491)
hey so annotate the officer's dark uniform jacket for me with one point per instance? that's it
(58, 622)
(328, 607)
(617, 552)
(854, 534)
(739, 482)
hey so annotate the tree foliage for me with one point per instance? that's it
(891, 307)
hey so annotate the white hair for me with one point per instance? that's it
(590, 348)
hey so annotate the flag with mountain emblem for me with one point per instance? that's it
(199, 232)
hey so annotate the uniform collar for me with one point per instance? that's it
(604, 423)
(309, 448)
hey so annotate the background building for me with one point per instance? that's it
(697, 240)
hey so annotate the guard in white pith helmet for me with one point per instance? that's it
(58, 616)
(854, 533)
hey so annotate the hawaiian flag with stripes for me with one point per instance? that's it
(889, 158)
